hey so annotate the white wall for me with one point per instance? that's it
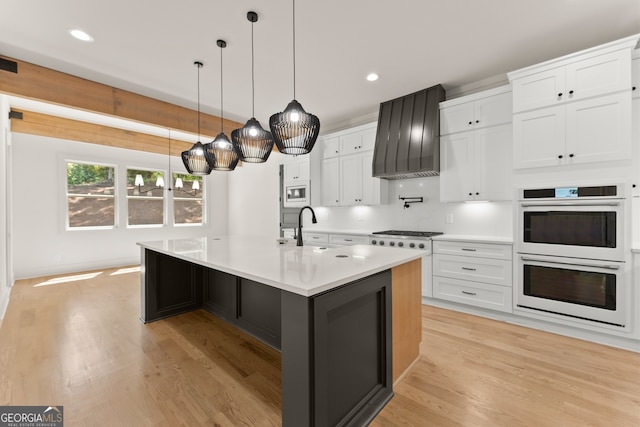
(478, 219)
(6, 275)
(41, 244)
(254, 192)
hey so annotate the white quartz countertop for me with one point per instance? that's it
(305, 270)
(471, 238)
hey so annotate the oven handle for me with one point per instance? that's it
(546, 205)
(605, 266)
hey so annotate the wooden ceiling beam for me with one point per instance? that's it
(74, 130)
(44, 84)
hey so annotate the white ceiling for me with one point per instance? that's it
(148, 46)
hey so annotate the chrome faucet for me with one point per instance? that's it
(313, 220)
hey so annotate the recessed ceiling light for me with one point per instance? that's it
(372, 77)
(80, 35)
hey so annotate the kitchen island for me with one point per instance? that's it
(346, 320)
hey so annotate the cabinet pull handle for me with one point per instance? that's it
(468, 249)
(560, 156)
(560, 95)
(468, 269)
(348, 240)
(571, 155)
(470, 123)
(570, 92)
(468, 293)
(633, 88)
(477, 121)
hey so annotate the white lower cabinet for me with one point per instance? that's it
(474, 273)
(348, 239)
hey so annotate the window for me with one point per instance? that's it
(187, 199)
(90, 195)
(145, 197)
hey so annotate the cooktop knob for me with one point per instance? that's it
(412, 245)
(373, 242)
(400, 244)
(381, 242)
(421, 245)
(392, 243)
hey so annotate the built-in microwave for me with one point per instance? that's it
(297, 194)
(577, 222)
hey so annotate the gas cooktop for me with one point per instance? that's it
(407, 233)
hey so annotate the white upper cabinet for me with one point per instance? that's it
(573, 80)
(331, 147)
(488, 108)
(575, 109)
(635, 74)
(297, 169)
(476, 155)
(347, 177)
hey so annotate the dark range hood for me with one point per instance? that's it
(408, 137)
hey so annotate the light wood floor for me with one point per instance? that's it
(77, 342)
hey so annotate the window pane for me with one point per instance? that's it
(188, 211)
(145, 183)
(187, 199)
(90, 191)
(145, 197)
(146, 211)
(91, 212)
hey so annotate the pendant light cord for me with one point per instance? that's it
(294, 49)
(170, 178)
(198, 65)
(253, 80)
(221, 94)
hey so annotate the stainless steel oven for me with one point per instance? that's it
(571, 259)
(580, 222)
(590, 290)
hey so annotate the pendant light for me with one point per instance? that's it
(220, 152)
(194, 158)
(294, 130)
(252, 142)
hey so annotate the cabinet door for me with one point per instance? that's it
(331, 147)
(457, 118)
(538, 90)
(331, 182)
(297, 169)
(539, 138)
(635, 136)
(599, 129)
(351, 143)
(635, 77)
(598, 75)
(493, 110)
(370, 185)
(456, 174)
(350, 180)
(493, 162)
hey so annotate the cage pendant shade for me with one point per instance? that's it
(220, 154)
(252, 142)
(194, 160)
(294, 130)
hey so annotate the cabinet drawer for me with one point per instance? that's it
(315, 237)
(473, 249)
(348, 239)
(495, 271)
(478, 294)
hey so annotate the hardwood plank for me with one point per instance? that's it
(78, 342)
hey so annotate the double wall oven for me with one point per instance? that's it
(571, 255)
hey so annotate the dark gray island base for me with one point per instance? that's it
(336, 346)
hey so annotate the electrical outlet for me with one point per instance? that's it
(449, 218)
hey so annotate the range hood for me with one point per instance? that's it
(408, 136)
